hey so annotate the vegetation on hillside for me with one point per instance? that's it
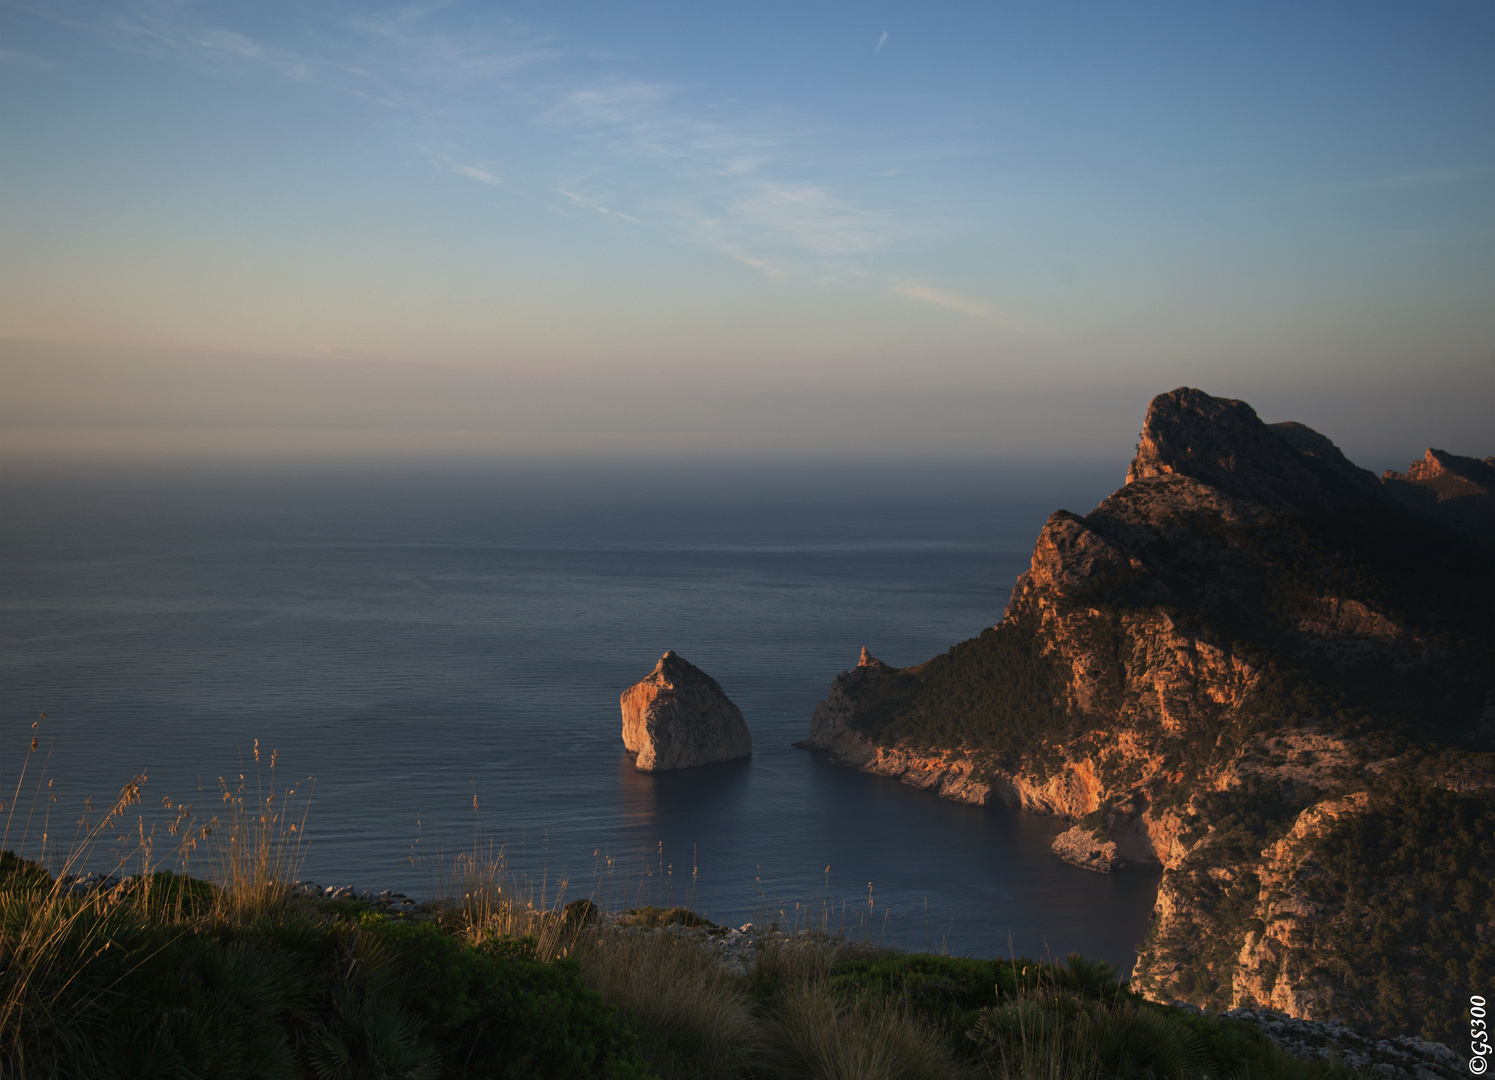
(995, 693)
(133, 986)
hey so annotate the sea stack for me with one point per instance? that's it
(677, 717)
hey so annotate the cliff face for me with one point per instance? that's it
(677, 717)
(1257, 667)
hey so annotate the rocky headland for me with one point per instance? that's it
(677, 717)
(1266, 671)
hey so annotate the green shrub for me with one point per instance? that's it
(996, 692)
(495, 1010)
(943, 988)
(18, 873)
(651, 917)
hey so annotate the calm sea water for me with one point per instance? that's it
(419, 641)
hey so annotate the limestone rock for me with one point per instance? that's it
(1222, 442)
(677, 717)
(1458, 491)
(1150, 656)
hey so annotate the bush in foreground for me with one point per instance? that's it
(160, 978)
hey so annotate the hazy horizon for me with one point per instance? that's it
(533, 233)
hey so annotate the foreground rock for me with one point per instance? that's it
(386, 901)
(677, 717)
(1266, 671)
(1402, 1055)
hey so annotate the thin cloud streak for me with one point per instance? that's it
(472, 172)
(454, 62)
(594, 204)
(747, 260)
(713, 180)
(139, 29)
(955, 302)
(810, 216)
(15, 58)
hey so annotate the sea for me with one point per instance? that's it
(434, 653)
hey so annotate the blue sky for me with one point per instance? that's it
(713, 230)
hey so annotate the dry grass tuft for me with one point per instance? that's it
(481, 898)
(676, 993)
(49, 934)
(819, 1036)
(801, 958)
(257, 842)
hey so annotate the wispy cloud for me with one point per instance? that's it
(704, 172)
(619, 103)
(472, 172)
(397, 51)
(881, 42)
(743, 257)
(595, 204)
(15, 58)
(469, 60)
(166, 31)
(759, 186)
(808, 215)
(955, 302)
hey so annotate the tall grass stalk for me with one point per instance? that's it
(47, 934)
(484, 898)
(258, 841)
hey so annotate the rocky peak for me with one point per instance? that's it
(677, 717)
(1223, 443)
(673, 670)
(1458, 491)
(1449, 475)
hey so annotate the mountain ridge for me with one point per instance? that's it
(1250, 660)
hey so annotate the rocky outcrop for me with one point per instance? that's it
(1222, 443)
(1457, 491)
(677, 717)
(829, 728)
(1256, 666)
(952, 773)
(1404, 1055)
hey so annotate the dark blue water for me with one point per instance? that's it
(417, 641)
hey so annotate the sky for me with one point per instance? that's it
(731, 232)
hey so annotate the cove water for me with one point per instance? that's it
(425, 641)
